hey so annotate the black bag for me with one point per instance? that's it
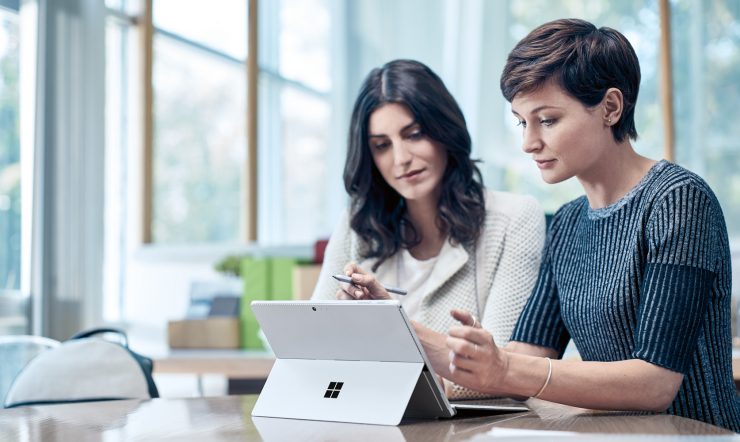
(84, 368)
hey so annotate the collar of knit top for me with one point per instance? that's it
(605, 212)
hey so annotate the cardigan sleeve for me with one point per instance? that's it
(515, 273)
(541, 322)
(338, 253)
(513, 278)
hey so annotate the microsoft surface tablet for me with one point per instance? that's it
(350, 361)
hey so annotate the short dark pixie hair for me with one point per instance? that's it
(583, 60)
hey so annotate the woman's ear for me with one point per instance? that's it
(613, 103)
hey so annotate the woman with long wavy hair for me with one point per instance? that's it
(420, 217)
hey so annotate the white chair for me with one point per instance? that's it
(15, 352)
(82, 369)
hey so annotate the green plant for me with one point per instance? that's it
(230, 265)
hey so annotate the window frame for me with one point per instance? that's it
(248, 232)
(251, 205)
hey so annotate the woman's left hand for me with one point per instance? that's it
(476, 362)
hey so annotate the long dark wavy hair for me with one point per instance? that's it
(378, 213)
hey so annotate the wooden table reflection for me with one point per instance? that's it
(229, 418)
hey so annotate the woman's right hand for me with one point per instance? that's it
(364, 285)
(476, 362)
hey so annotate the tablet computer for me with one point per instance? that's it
(351, 361)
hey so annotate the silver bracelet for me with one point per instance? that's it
(547, 381)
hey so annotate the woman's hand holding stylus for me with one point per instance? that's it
(364, 285)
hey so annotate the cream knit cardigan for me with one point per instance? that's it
(494, 285)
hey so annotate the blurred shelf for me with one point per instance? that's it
(241, 364)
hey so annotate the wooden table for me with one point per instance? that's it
(229, 418)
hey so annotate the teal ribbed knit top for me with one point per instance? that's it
(649, 278)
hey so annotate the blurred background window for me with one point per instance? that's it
(307, 82)
(706, 93)
(199, 82)
(312, 57)
(121, 87)
(295, 113)
(12, 312)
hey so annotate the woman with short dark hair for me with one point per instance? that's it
(421, 219)
(637, 272)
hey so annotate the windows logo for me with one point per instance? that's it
(333, 391)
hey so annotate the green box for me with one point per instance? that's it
(281, 278)
(256, 279)
(264, 279)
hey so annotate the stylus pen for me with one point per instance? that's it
(348, 280)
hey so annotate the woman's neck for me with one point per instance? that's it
(614, 175)
(423, 216)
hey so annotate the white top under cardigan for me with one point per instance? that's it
(413, 276)
(494, 286)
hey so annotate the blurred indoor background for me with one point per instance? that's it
(141, 143)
